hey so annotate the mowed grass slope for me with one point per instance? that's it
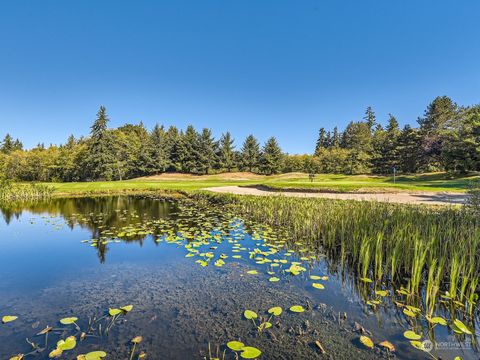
(291, 181)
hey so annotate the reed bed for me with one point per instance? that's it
(10, 192)
(429, 251)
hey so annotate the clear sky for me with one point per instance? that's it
(267, 67)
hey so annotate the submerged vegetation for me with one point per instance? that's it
(416, 261)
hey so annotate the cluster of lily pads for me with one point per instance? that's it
(216, 236)
(97, 327)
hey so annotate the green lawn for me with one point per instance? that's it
(341, 183)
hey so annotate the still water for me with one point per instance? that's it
(189, 273)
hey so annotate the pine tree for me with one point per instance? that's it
(439, 116)
(8, 144)
(409, 150)
(271, 157)
(335, 142)
(207, 151)
(227, 152)
(250, 153)
(158, 149)
(101, 158)
(370, 117)
(188, 151)
(320, 141)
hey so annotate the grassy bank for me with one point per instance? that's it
(297, 181)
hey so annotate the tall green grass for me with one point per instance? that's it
(427, 251)
(15, 192)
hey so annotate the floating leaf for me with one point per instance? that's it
(235, 345)
(274, 279)
(366, 280)
(17, 357)
(250, 315)
(265, 325)
(9, 318)
(127, 308)
(68, 344)
(409, 313)
(250, 352)
(381, 292)
(94, 355)
(55, 353)
(410, 335)
(315, 277)
(297, 309)
(252, 272)
(437, 320)
(276, 311)
(113, 312)
(419, 345)
(388, 345)
(318, 286)
(365, 340)
(462, 327)
(68, 320)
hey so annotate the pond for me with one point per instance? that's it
(180, 275)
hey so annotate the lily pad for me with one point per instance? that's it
(68, 320)
(235, 345)
(462, 327)
(366, 341)
(68, 344)
(318, 286)
(249, 352)
(276, 311)
(297, 309)
(127, 308)
(387, 345)
(250, 315)
(113, 312)
(274, 279)
(9, 318)
(410, 335)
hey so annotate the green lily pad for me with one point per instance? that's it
(235, 345)
(68, 320)
(95, 355)
(410, 335)
(9, 318)
(274, 279)
(297, 309)
(127, 308)
(252, 272)
(113, 312)
(68, 344)
(249, 314)
(318, 286)
(276, 311)
(462, 327)
(250, 352)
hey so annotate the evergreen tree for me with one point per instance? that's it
(271, 157)
(387, 156)
(101, 160)
(409, 150)
(158, 149)
(370, 117)
(227, 152)
(207, 151)
(188, 151)
(320, 141)
(439, 116)
(250, 153)
(8, 144)
(335, 142)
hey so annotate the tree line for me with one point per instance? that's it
(447, 139)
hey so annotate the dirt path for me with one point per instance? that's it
(432, 198)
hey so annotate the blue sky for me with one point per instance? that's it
(267, 67)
